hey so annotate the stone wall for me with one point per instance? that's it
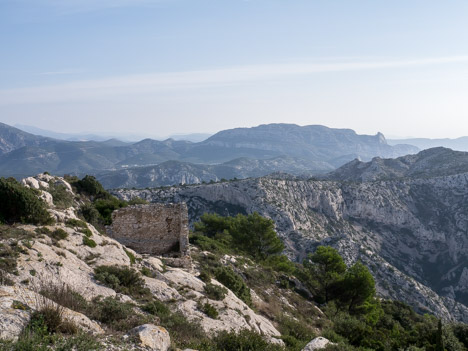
(155, 229)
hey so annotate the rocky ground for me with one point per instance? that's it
(67, 253)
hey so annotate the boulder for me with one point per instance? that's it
(317, 344)
(153, 337)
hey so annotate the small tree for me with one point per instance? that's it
(211, 224)
(327, 267)
(439, 338)
(358, 288)
(256, 235)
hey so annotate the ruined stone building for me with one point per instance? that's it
(155, 229)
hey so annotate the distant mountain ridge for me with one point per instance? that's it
(427, 163)
(458, 144)
(177, 172)
(319, 147)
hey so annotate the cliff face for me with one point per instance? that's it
(411, 233)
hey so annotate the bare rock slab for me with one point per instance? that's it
(153, 337)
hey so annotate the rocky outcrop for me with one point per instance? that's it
(152, 337)
(17, 304)
(44, 261)
(317, 344)
(412, 233)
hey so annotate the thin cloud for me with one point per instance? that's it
(160, 82)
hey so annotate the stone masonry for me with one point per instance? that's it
(155, 229)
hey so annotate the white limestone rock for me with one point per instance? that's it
(318, 343)
(17, 303)
(153, 337)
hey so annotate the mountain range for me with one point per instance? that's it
(405, 219)
(240, 152)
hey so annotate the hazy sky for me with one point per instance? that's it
(183, 66)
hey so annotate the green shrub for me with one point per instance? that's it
(89, 212)
(234, 282)
(89, 242)
(90, 186)
(209, 310)
(280, 263)
(295, 334)
(215, 292)
(80, 342)
(87, 232)
(211, 224)
(49, 318)
(156, 308)
(244, 340)
(117, 315)
(59, 234)
(106, 206)
(220, 244)
(110, 310)
(21, 204)
(205, 276)
(61, 196)
(253, 235)
(122, 279)
(4, 279)
(130, 256)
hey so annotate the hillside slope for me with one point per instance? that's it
(412, 233)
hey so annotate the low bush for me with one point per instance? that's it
(90, 214)
(156, 308)
(244, 340)
(106, 206)
(209, 310)
(58, 234)
(86, 232)
(130, 256)
(215, 292)
(123, 280)
(89, 242)
(21, 204)
(11, 246)
(62, 198)
(234, 282)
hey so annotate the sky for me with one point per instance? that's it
(161, 67)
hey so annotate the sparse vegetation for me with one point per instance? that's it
(215, 292)
(122, 279)
(59, 234)
(234, 282)
(89, 242)
(61, 197)
(209, 310)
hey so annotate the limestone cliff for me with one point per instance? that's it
(412, 233)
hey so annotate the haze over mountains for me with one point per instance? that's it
(240, 152)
